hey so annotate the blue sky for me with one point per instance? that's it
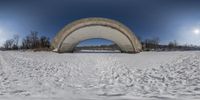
(167, 19)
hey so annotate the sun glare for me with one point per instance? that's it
(196, 31)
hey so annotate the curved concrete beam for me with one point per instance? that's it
(88, 28)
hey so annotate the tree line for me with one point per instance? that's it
(36, 42)
(150, 44)
(153, 44)
(31, 41)
(99, 47)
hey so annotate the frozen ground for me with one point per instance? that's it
(101, 76)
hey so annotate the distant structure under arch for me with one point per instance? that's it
(89, 28)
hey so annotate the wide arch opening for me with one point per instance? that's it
(96, 45)
(89, 28)
(95, 31)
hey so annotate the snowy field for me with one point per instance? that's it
(99, 76)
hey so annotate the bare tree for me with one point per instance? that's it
(33, 41)
(152, 43)
(44, 42)
(8, 44)
(26, 43)
(155, 42)
(173, 44)
(15, 42)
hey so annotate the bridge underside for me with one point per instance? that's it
(90, 32)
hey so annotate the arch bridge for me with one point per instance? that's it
(89, 28)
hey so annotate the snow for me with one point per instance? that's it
(98, 51)
(98, 76)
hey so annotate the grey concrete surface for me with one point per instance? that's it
(89, 28)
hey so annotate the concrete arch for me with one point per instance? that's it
(88, 28)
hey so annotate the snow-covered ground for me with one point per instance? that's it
(99, 76)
